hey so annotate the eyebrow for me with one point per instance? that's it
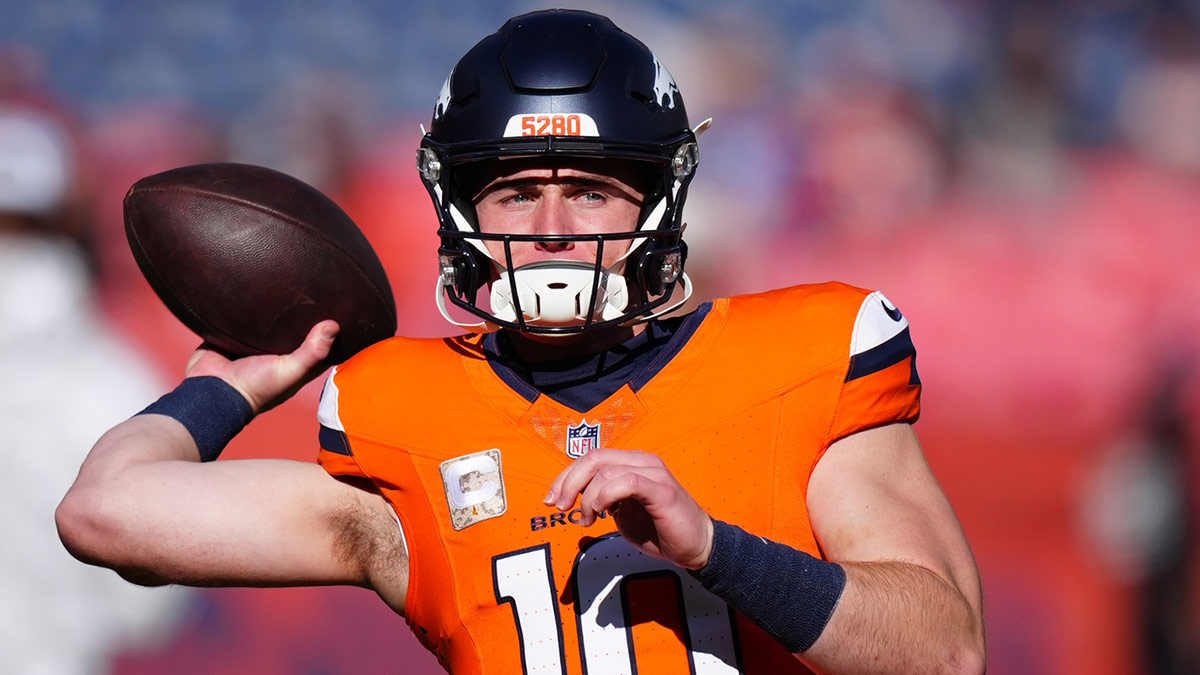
(574, 181)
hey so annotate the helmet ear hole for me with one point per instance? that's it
(463, 270)
(650, 280)
(659, 269)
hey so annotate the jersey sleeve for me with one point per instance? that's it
(335, 456)
(881, 384)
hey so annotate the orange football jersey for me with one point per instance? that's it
(740, 405)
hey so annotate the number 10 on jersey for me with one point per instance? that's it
(525, 580)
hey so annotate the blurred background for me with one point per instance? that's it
(1022, 178)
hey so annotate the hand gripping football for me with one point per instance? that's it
(250, 259)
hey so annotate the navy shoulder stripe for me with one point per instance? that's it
(334, 441)
(888, 353)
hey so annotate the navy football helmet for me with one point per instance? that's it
(560, 83)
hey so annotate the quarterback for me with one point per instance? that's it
(586, 481)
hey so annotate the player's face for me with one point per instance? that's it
(556, 197)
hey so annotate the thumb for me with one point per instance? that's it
(315, 348)
(292, 371)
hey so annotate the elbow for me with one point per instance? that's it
(94, 529)
(83, 528)
(969, 662)
(970, 657)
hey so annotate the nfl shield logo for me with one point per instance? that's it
(581, 438)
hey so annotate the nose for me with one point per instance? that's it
(553, 217)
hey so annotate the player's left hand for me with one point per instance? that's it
(652, 510)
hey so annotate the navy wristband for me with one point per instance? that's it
(786, 592)
(210, 409)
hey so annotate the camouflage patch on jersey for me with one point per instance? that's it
(474, 486)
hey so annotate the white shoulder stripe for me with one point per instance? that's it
(327, 412)
(878, 321)
(399, 526)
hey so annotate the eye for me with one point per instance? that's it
(517, 198)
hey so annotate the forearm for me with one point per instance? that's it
(845, 617)
(896, 617)
(138, 440)
(193, 422)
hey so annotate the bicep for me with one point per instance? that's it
(873, 497)
(241, 522)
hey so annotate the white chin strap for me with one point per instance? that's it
(558, 293)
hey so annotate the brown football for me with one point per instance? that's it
(250, 259)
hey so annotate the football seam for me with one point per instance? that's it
(302, 225)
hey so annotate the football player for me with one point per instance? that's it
(582, 483)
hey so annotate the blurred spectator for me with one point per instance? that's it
(1139, 510)
(1016, 122)
(877, 160)
(1158, 111)
(68, 378)
(313, 126)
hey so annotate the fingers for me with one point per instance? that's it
(568, 484)
(657, 515)
(648, 486)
